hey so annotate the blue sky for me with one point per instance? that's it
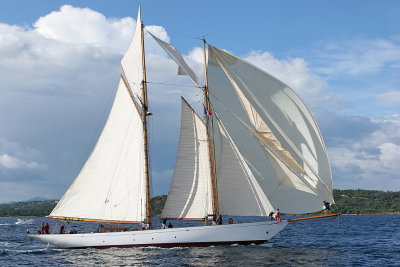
(59, 69)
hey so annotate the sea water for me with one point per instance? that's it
(362, 240)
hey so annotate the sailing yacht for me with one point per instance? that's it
(257, 149)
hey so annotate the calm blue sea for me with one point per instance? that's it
(366, 240)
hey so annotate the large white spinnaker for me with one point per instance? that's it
(111, 184)
(190, 195)
(289, 120)
(239, 193)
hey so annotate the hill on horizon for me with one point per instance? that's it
(349, 201)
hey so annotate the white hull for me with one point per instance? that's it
(244, 233)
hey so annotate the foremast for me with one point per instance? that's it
(211, 148)
(145, 113)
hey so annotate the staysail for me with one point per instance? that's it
(111, 185)
(240, 92)
(190, 195)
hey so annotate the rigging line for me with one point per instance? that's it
(181, 85)
(181, 34)
(271, 119)
(254, 134)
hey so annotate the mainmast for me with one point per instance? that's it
(145, 113)
(213, 173)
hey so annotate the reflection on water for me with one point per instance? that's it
(348, 241)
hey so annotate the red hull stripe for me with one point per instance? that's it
(195, 244)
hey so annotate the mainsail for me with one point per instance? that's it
(190, 195)
(111, 185)
(292, 167)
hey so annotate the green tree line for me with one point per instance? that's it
(351, 201)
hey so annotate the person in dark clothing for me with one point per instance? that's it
(219, 220)
(42, 229)
(327, 207)
(170, 225)
(47, 228)
(271, 216)
(164, 224)
(62, 229)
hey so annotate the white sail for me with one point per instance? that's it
(111, 185)
(183, 69)
(260, 126)
(290, 121)
(131, 63)
(239, 193)
(190, 193)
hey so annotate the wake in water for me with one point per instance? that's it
(2, 224)
(24, 221)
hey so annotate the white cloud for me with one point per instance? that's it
(390, 156)
(293, 72)
(83, 25)
(358, 57)
(371, 162)
(9, 162)
(13, 156)
(57, 77)
(391, 96)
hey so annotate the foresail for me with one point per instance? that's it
(131, 63)
(190, 195)
(238, 190)
(111, 184)
(171, 50)
(292, 165)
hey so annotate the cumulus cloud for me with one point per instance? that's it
(13, 156)
(369, 157)
(294, 72)
(358, 57)
(59, 76)
(83, 25)
(9, 162)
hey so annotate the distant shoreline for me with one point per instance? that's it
(347, 202)
(371, 214)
